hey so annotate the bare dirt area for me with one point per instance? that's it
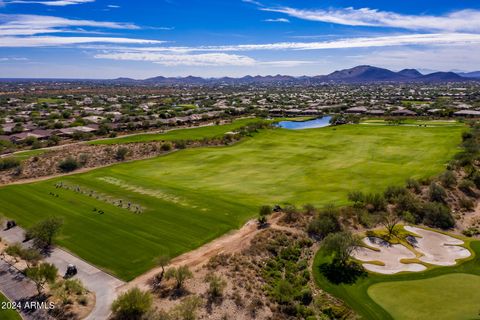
(240, 259)
(230, 243)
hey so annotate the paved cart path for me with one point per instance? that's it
(101, 283)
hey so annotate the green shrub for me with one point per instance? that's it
(466, 203)
(265, 211)
(325, 222)
(438, 215)
(467, 186)
(375, 202)
(393, 192)
(132, 304)
(357, 197)
(471, 232)
(8, 163)
(448, 179)
(414, 185)
(167, 146)
(69, 164)
(121, 153)
(436, 192)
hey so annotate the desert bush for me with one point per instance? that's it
(180, 274)
(437, 193)
(375, 202)
(291, 214)
(466, 203)
(180, 144)
(325, 222)
(265, 211)
(448, 179)
(357, 197)
(438, 215)
(471, 232)
(83, 158)
(132, 305)
(121, 153)
(393, 192)
(216, 286)
(69, 164)
(167, 146)
(467, 186)
(187, 309)
(413, 185)
(8, 163)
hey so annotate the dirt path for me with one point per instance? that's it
(232, 242)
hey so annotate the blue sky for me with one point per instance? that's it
(213, 38)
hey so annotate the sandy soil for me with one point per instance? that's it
(390, 255)
(232, 242)
(437, 248)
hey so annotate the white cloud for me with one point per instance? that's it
(346, 43)
(277, 20)
(436, 58)
(463, 20)
(29, 24)
(4, 59)
(24, 31)
(207, 59)
(49, 41)
(253, 2)
(53, 3)
(113, 6)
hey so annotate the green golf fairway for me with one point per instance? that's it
(194, 133)
(448, 297)
(192, 196)
(7, 313)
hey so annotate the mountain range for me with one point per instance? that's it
(359, 74)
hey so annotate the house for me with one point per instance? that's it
(71, 131)
(467, 113)
(356, 110)
(38, 134)
(404, 112)
(94, 119)
(376, 112)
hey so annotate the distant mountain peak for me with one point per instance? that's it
(411, 73)
(358, 74)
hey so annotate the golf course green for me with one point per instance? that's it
(433, 298)
(190, 197)
(444, 293)
(194, 133)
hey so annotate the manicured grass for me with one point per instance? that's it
(195, 133)
(428, 299)
(5, 313)
(23, 155)
(393, 297)
(410, 122)
(193, 196)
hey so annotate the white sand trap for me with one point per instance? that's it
(437, 248)
(389, 254)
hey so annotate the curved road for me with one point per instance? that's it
(101, 283)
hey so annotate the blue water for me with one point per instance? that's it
(297, 125)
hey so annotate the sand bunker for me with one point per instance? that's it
(437, 248)
(389, 254)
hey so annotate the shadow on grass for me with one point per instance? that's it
(338, 272)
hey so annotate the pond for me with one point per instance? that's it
(309, 124)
